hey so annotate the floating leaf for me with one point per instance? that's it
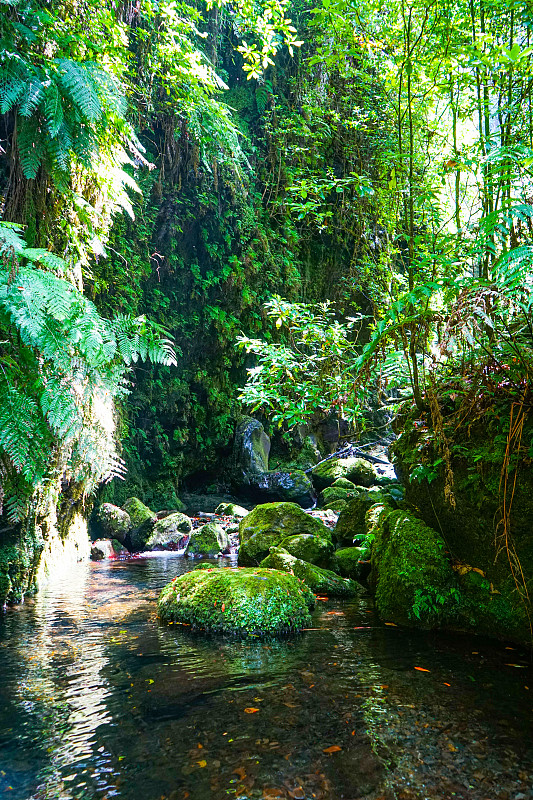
(202, 763)
(240, 772)
(333, 749)
(422, 669)
(251, 710)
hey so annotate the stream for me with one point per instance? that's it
(98, 699)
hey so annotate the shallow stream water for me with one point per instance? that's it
(98, 699)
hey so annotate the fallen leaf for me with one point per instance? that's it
(422, 669)
(270, 794)
(240, 772)
(291, 705)
(202, 763)
(447, 684)
(297, 794)
(518, 666)
(391, 624)
(335, 613)
(223, 606)
(333, 749)
(251, 710)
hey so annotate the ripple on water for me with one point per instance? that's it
(99, 700)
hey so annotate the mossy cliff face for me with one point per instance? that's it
(52, 537)
(258, 601)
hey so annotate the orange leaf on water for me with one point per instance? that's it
(333, 749)
(202, 763)
(391, 624)
(223, 606)
(240, 772)
(251, 710)
(422, 669)
(447, 684)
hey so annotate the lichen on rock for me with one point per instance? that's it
(247, 601)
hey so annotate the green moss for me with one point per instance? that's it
(137, 511)
(20, 550)
(168, 532)
(258, 601)
(349, 561)
(231, 510)
(308, 547)
(209, 540)
(341, 489)
(357, 470)
(269, 524)
(112, 522)
(336, 505)
(351, 522)
(320, 581)
(412, 575)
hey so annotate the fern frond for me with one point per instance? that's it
(77, 79)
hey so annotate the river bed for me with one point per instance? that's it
(99, 700)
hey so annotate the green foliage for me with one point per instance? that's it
(63, 364)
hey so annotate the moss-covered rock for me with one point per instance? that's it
(357, 470)
(269, 524)
(341, 489)
(293, 486)
(209, 540)
(336, 505)
(112, 522)
(137, 511)
(309, 547)
(20, 551)
(169, 533)
(258, 601)
(231, 510)
(351, 522)
(375, 517)
(320, 581)
(413, 577)
(349, 560)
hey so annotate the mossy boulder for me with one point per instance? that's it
(292, 486)
(112, 522)
(269, 524)
(412, 575)
(208, 540)
(351, 522)
(231, 510)
(341, 489)
(375, 517)
(169, 533)
(336, 505)
(357, 470)
(349, 560)
(137, 511)
(309, 547)
(256, 601)
(320, 581)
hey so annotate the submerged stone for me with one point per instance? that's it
(320, 581)
(169, 533)
(270, 524)
(256, 601)
(208, 540)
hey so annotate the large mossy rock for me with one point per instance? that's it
(208, 540)
(320, 581)
(292, 486)
(112, 522)
(142, 521)
(231, 510)
(341, 489)
(356, 470)
(269, 524)
(307, 546)
(107, 548)
(351, 522)
(137, 511)
(256, 601)
(169, 533)
(350, 561)
(251, 447)
(411, 571)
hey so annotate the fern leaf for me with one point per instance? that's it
(53, 109)
(77, 80)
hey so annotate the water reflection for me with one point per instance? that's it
(100, 700)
